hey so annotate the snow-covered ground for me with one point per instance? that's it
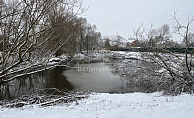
(104, 105)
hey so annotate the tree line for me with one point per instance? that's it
(32, 31)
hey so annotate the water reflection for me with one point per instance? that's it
(117, 76)
(99, 81)
(46, 79)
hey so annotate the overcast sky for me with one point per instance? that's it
(121, 16)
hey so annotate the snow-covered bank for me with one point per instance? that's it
(103, 105)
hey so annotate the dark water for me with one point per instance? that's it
(98, 77)
(114, 77)
(46, 79)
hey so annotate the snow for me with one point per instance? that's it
(135, 55)
(132, 55)
(63, 56)
(57, 60)
(104, 105)
(79, 56)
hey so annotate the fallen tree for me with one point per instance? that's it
(45, 97)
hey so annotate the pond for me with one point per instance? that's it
(47, 79)
(117, 76)
(97, 77)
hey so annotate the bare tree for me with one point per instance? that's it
(88, 38)
(164, 31)
(139, 32)
(176, 69)
(25, 30)
(184, 31)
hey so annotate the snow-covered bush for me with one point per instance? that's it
(175, 75)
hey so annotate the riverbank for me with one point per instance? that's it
(104, 105)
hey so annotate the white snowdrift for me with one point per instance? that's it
(103, 105)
